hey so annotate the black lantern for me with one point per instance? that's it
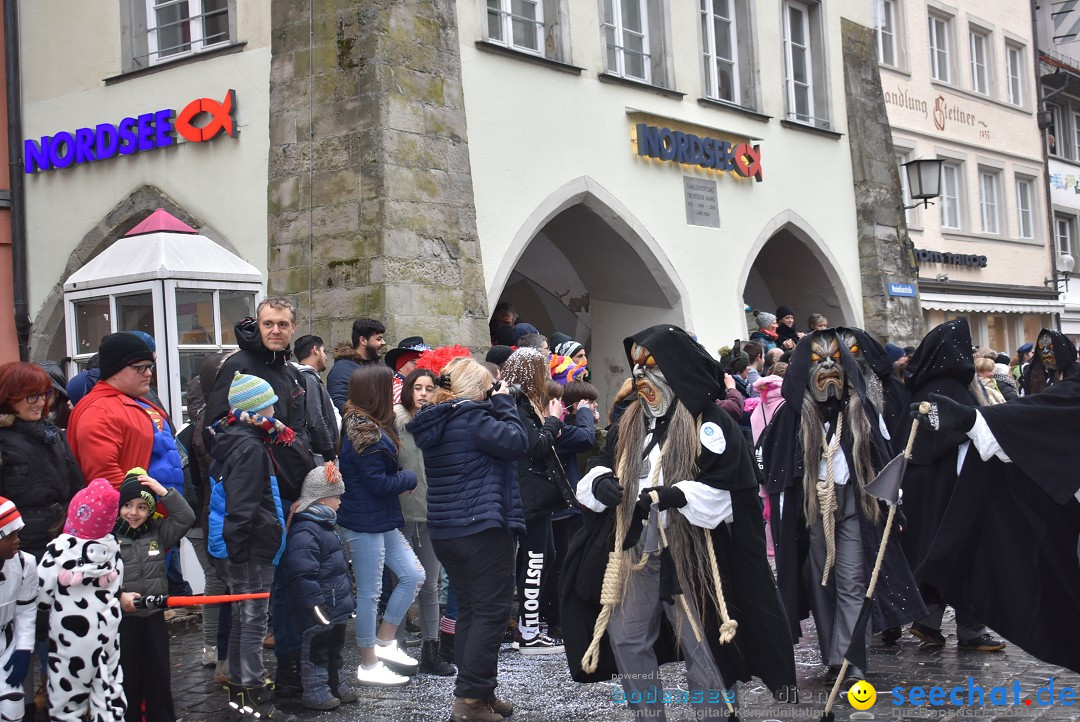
(923, 179)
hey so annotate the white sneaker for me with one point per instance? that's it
(209, 656)
(379, 676)
(398, 660)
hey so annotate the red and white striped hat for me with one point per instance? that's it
(10, 518)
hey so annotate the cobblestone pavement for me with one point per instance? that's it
(541, 688)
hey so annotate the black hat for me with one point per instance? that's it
(498, 354)
(118, 350)
(132, 488)
(782, 311)
(413, 345)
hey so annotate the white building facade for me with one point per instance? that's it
(959, 83)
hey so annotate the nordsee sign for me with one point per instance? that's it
(689, 149)
(132, 135)
(903, 290)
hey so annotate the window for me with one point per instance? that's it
(804, 72)
(1055, 142)
(1014, 61)
(887, 35)
(1025, 225)
(980, 73)
(517, 24)
(181, 27)
(626, 31)
(910, 214)
(1064, 231)
(950, 196)
(718, 34)
(940, 50)
(988, 200)
(1076, 136)
(726, 37)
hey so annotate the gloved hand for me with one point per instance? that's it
(320, 616)
(945, 415)
(607, 490)
(18, 665)
(670, 498)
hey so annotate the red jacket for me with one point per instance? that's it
(110, 433)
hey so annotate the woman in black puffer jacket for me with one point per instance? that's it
(38, 472)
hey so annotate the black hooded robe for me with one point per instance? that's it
(1006, 551)
(761, 646)
(896, 598)
(893, 392)
(1064, 354)
(943, 365)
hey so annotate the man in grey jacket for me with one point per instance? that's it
(324, 422)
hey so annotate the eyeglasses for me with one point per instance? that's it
(43, 396)
(142, 368)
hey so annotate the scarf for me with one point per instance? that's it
(766, 332)
(124, 529)
(277, 431)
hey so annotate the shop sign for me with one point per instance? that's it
(952, 259)
(702, 207)
(902, 290)
(145, 132)
(690, 149)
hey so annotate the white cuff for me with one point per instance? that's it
(705, 506)
(984, 440)
(584, 488)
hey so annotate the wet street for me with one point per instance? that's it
(541, 689)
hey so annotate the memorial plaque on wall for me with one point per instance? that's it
(701, 206)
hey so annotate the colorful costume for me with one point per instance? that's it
(79, 584)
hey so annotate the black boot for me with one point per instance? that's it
(432, 663)
(446, 646)
(287, 679)
(262, 704)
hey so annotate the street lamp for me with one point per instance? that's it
(1065, 266)
(923, 180)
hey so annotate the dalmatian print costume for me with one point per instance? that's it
(79, 584)
(18, 617)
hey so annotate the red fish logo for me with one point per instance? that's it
(220, 118)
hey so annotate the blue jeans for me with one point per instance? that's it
(369, 552)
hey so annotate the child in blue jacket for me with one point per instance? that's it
(320, 590)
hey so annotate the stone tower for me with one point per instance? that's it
(370, 197)
(882, 227)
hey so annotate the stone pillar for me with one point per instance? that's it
(882, 225)
(370, 197)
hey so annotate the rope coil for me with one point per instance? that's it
(826, 496)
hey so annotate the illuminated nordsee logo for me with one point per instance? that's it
(690, 149)
(133, 135)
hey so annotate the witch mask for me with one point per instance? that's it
(652, 388)
(1045, 351)
(826, 371)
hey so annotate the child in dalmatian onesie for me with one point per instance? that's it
(18, 592)
(79, 584)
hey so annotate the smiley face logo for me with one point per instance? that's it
(862, 695)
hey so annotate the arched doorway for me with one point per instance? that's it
(792, 267)
(581, 264)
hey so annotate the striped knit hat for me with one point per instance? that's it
(10, 518)
(250, 393)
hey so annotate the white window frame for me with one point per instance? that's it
(712, 59)
(790, 49)
(619, 32)
(990, 201)
(504, 11)
(887, 30)
(197, 43)
(910, 214)
(941, 51)
(1063, 241)
(1025, 208)
(952, 202)
(1014, 70)
(979, 44)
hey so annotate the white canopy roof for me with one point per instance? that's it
(162, 255)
